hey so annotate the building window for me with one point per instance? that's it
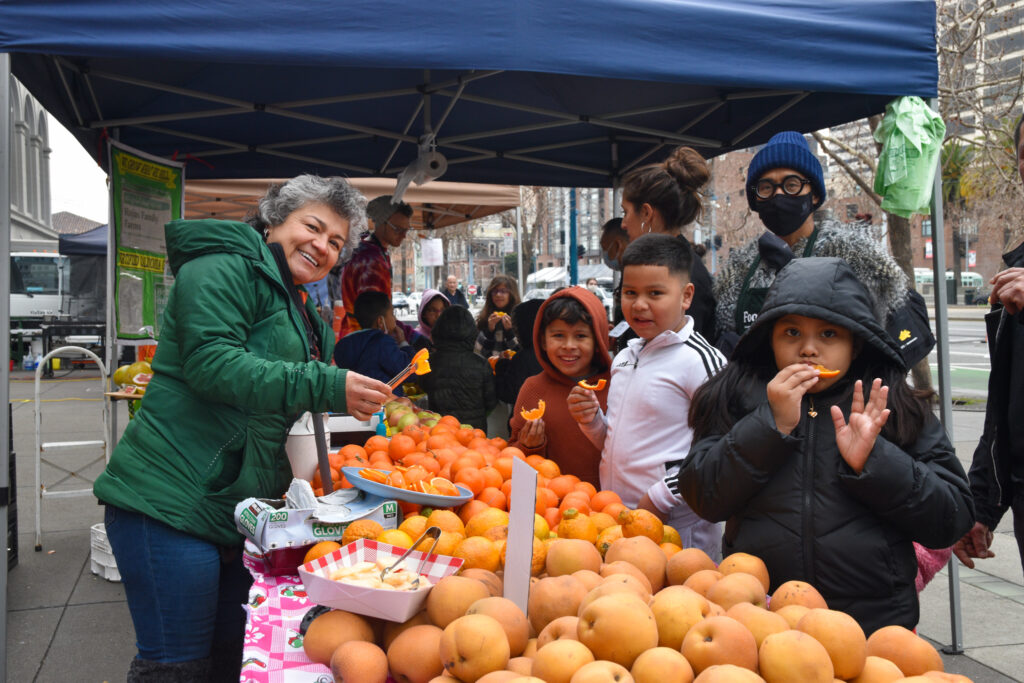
(926, 227)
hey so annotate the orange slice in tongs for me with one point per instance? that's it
(419, 365)
(825, 372)
(535, 414)
(596, 386)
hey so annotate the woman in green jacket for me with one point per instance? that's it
(242, 354)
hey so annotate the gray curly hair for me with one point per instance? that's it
(281, 199)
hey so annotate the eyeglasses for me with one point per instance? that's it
(791, 185)
(397, 228)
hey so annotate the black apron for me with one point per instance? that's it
(751, 299)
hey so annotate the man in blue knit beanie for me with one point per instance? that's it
(785, 184)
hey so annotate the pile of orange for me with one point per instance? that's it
(465, 456)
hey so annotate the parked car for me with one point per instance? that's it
(414, 299)
(399, 302)
(539, 293)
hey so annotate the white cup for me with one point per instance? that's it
(301, 446)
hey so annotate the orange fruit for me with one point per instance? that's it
(464, 436)
(396, 537)
(471, 478)
(446, 520)
(482, 521)
(412, 458)
(443, 440)
(417, 473)
(607, 537)
(400, 446)
(669, 549)
(506, 488)
(408, 508)
(512, 452)
(642, 523)
(587, 488)
(602, 521)
(670, 535)
(613, 510)
(596, 386)
(561, 485)
(353, 451)
(546, 498)
(417, 432)
(499, 443)
(540, 554)
(549, 468)
(479, 443)
(552, 516)
(503, 464)
(451, 421)
(414, 525)
(603, 498)
(492, 477)
(320, 549)
(576, 525)
(478, 552)
(430, 464)
(376, 443)
(535, 460)
(446, 543)
(471, 508)
(361, 528)
(378, 457)
(825, 372)
(493, 497)
(576, 500)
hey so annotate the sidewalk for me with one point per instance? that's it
(64, 623)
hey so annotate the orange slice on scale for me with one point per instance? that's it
(825, 372)
(535, 414)
(596, 386)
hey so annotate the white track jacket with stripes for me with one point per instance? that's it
(646, 434)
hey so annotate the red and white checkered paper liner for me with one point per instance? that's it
(373, 602)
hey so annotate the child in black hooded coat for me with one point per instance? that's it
(824, 484)
(460, 382)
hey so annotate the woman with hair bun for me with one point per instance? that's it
(665, 198)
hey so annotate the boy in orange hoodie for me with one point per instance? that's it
(571, 341)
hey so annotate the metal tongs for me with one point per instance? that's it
(433, 532)
(419, 364)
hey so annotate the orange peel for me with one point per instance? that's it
(596, 386)
(825, 372)
(535, 414)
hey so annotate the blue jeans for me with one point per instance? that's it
(185, 602)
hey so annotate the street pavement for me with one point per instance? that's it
(65, 623)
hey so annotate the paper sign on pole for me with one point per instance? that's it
(431, 252)
(519, 546)
(147, 192)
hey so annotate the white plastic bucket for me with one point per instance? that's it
(301, 446)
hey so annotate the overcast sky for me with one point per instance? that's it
(77, 183)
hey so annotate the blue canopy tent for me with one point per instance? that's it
(538, 92)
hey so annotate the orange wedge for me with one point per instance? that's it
(493, 360)
(443, 487)
(535, 414)
(373, 475)
(421, 363)
(825, 372)
(596, 386)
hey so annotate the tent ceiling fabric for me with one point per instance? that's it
(436, 205)
(538, 92)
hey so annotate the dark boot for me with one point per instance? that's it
(146, 671)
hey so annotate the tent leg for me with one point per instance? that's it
(945, 398)
(519, 241)
(5, 334)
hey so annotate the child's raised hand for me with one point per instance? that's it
(856, 438)
(785, 393)
(583, 405)
(532, 433)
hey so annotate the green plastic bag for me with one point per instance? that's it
(911, 135)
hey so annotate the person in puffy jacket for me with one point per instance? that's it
(460, 382)
(819, 456)
(242, 354)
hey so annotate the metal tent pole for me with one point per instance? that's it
(5, 334)
(945, 399)
(519, 240)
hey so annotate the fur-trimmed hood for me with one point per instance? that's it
(869, 261)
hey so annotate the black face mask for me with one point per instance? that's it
(783, 214)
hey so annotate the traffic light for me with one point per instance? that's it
(581, 251)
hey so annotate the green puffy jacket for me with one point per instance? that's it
(231, 374)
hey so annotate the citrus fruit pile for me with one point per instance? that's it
(633, 616)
